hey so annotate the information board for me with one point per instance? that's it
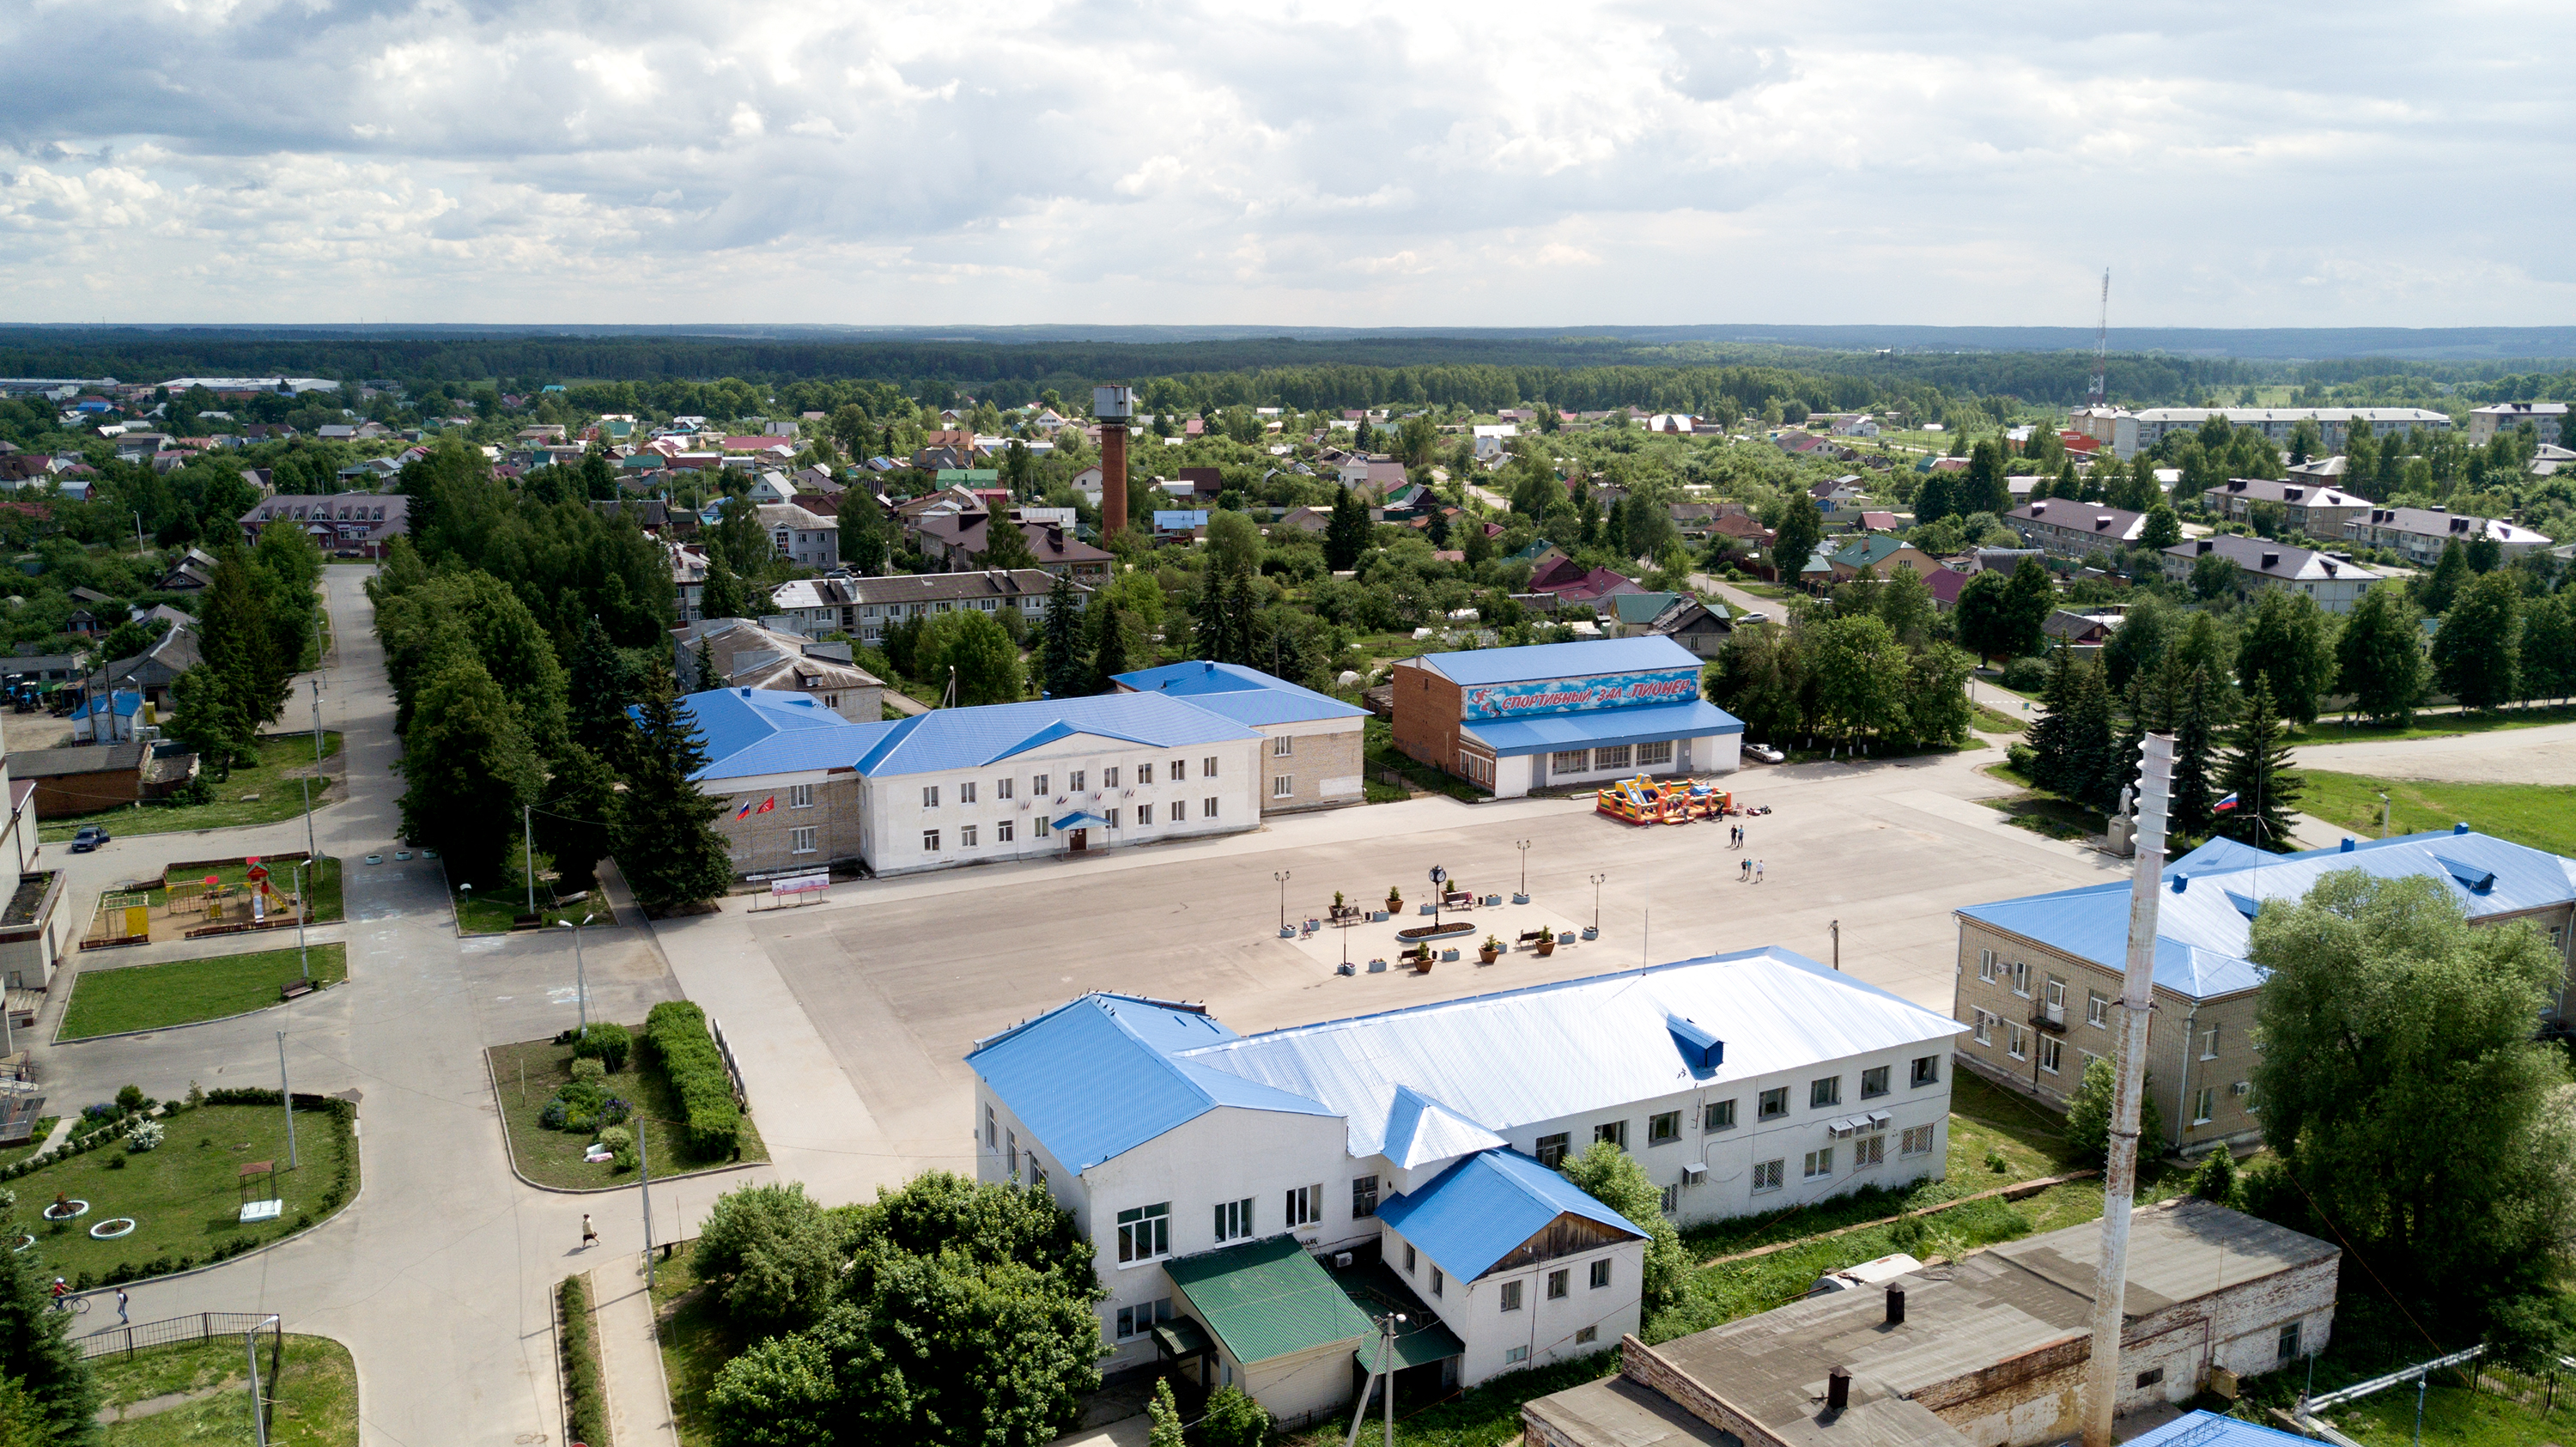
(1576, 695)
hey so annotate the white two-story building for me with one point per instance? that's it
(1415, 1153)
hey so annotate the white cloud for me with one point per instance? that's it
(1325, 162)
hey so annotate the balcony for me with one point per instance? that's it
(2049, 1016)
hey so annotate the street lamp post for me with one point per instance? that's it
(1596, 902)
(581, 978)
(303, 911)
(1523, 845)
(1282, 877)
(288, 1093)
(1835, 927)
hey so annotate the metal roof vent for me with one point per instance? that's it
(1700, 1048)
(2271, 560)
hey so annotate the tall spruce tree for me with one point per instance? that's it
(1062, 670)
(1346, 533)
(2257, 772)
(667, 844)
(2435, 592)
(238, 639)
(36, 1350)
(2196, 721)
(598, 687)
(1109, 648)
(1241, 621)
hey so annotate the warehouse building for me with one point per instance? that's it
(1555, 714)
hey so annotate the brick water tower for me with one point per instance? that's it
(1112, 407)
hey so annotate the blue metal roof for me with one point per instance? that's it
(750, 732)
(1545, 1051)
(2204, 917)
(1695, 718)
(968, 738)
(1246, 695)
(1540, 661)
(1483, 1208)
(2209, 1429)
(1104, 1074)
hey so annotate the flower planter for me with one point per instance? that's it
(112, 1228)
(67, 1211)
(1448, 957)
(24, 1241)
(1592, 932)
(1422, 966)
(1518, 898)
(1486, 955)
(1377, 967)
(1545, 948)
(1435, 931)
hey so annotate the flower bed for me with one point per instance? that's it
(1436, 931)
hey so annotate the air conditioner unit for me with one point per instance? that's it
(1342, 1260)
(2242, 1087)
(1694, 1174)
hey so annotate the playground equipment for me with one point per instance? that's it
(1641, 800)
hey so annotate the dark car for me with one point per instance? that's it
(90, 837)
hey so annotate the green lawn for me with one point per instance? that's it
(314, 1393)
(491, 912)
(186, 1196)
(695, 1345)
(111, 1001)
(528, 1074)
(279, 797)
(2047, 814)
(2433, 726)
(1381, 753)
(2542, 816)
(1996, 721)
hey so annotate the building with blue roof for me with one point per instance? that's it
(1316, 740)
(1430, 1137)
(2038, 976)
(804, 788)
(1555, 714)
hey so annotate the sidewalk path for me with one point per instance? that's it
(639, 1397)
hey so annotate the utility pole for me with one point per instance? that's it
(2120, 1174)
(309, 851)
(317, 724)
(258, 1407)
(528, 843)
(288, 1093)
(1282, 876)
(644, 1178)
(1596, 902)
(303, 911)
(1835, 927)
(1523, 846)
(580, 976)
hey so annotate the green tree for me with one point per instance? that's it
(863, 543)
(1937, 707)
(1760, 677)
(1346, 534)
(22, 1417)
(1984, 487)
(738, 535)
(2403, 1091)
(1612, 1176)
(237, 637)
(1933, 500)
(38, 1354)
(2163, 528)
(1233, 543)
(2449, 573)
(1062, 670)
(1006, 546)
(2289, 644)
(1859, 674)
(985, 663)
(2031, 598)
(2197, 718)
(208, 715)
(667, 844)
(2477, 651)
(723, 595)
(2257, 772)
(2071, 744)
(467, 766)
(1231, 1420)
(1109, 647)
(2138, 645)
(773, 1256)
(783, 1391)
(2549, 647)
(1983, 617)
(1905, 605)
(577, 817)
(1164, 1416)
(2088, 1117)
(598, 687)
(2213, 576)
(2379, 657)
(1794, 540)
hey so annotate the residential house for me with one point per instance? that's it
(2419, 534)
(2042, 973)
(1701, 627)
(805, 538)
(2549, 419)
(1493, 441)
(1427, 1140)
(688, 579)
(2079, 631)
(1879, 555)
(1205, 482)
(1877, 521)
(2067, 529)
(2319, 512)
(1313, 759)
(1945, 587)
(865, 607)
(745, 655)
(2335, 582)
(2134, 432)
(152, 671)
(345, 524)
(1837, 494)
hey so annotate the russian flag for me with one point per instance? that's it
(745, 810)
(2225, 804)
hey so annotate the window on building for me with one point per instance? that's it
(1011, 1151)
(1570, 761)
(2209, 1043)
(1144, 773)
(1985, 1028)
(1073, 780)
(1514, 1356)
(930, 841)
(1511, 1296)
(2097, 1009)
(801, 841)
(2020, 971)
(1600, 1274)
(1560, 1284)
(2052, 1053)
(1002, 789)
(1664, 1128)
(1671, 1199)
(1717, 1115)
(1613, 756)
(1656, 755)
(1927, 1071)
(1207, 807)
(2149, 1379)
(1002, 832)
(1180, 770)
(1986, 966)
(1767, 1175)
(1825, 1094)
(1615, 1132)
(2204, 1106)
(1917, 1141)
(1408, 1258)
(1820, 1163)
(1038, 827)
(930, 796)
(1773, 1105)
(1234, 1219)
(1363, 1197)
(1282, 785)
(1280, 747)
(1586, 1335)
(1109, 817)
(966, 792)
(1436, 1281)
(1109, 777)
(966, 836)
(989, 1126)
(1873, 1082)
(1145, 1232)
(1144, 816)
(1868, 1151)
(1207, 768)
(1038, 787)
(1551, 1150)
(2286, 1350)
(800, 796)
(1305, 1205)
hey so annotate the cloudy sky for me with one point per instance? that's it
(1424, 164)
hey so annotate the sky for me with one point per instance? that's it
(1293, 163)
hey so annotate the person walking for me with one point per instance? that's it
(120, 1306)
(1757, 871)
(589, 1237)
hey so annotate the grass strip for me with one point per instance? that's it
(2541, 816)
(114, 1000)
(312, 1393)
(585, 1394)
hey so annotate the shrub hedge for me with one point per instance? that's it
(676, 1034)
(585, 1403)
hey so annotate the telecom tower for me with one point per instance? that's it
(2099, 393)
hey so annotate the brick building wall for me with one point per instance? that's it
(1644, 1365)
(1323, 767)
(767, 843)
(1427, 709)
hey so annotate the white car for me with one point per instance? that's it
(1753, 616)
(1765, 753)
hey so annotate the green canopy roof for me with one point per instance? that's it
(1266, 1299)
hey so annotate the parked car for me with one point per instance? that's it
(90, 837)
(1765, 753)
(1753, 615)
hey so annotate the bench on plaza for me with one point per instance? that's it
(1530, 936)
(294, 989)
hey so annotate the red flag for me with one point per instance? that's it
(767, 804)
